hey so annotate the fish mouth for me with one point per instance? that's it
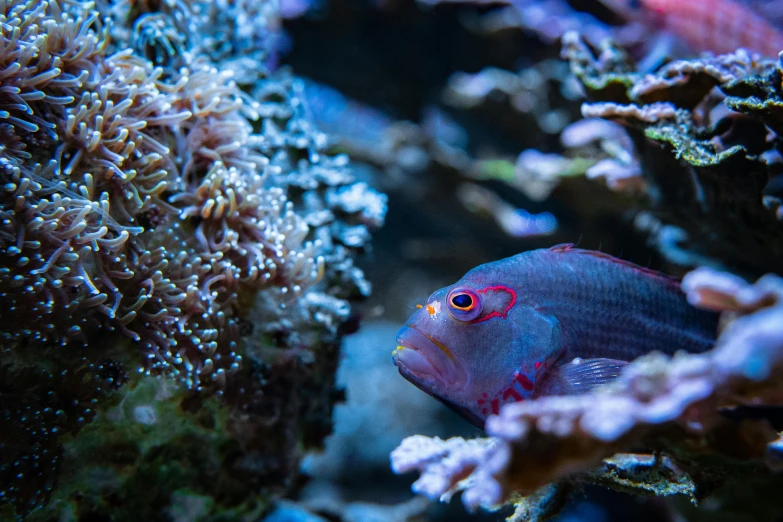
(422, 358)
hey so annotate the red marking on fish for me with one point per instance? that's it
(511, 392)
(720, 26)
(538, 365)
(495, 313)
(523, 380)
(495, 406)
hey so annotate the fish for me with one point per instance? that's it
(557, 321)
(719, 26)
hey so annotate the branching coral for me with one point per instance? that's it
(695, 124)
(675, 405)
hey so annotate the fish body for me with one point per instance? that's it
(554, 321)
(720, 26)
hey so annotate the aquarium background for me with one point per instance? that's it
(379, 78)
(201, 288)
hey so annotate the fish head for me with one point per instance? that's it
(463, 343)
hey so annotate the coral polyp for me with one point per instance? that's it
(146, 203)
(135, 145)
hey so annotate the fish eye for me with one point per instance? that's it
(464, 304)
(462, 301)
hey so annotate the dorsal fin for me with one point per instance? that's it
(569, 248)
(563, 247)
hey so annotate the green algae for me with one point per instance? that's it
(149, 454)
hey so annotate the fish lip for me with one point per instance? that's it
(419, 376)
(445, 369)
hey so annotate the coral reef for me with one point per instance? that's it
(684, 406)
(167, 209)
(694, 125)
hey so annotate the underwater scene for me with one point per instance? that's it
(391, 260)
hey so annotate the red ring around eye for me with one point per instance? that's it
(463, 302)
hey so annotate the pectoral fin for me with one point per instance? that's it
(579, 376)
